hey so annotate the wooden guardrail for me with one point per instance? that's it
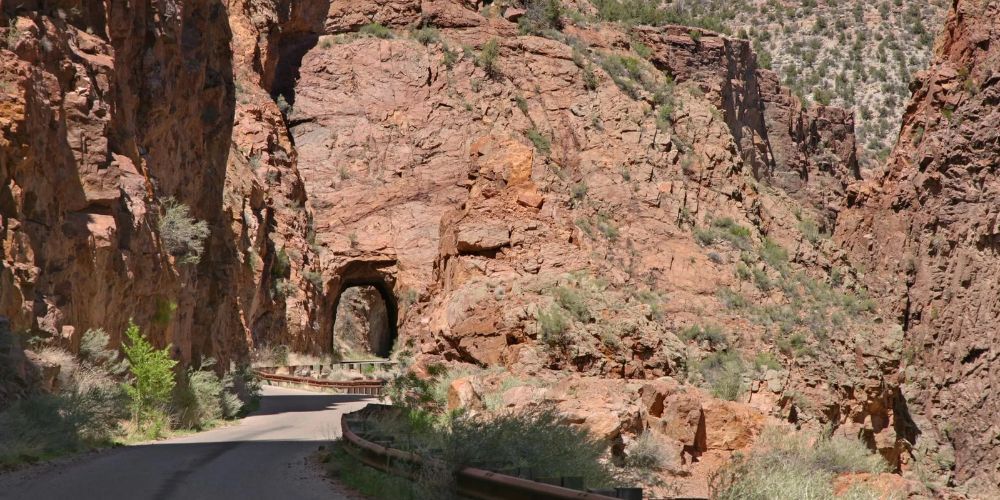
(470, 481)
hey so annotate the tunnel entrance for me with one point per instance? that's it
(364, 323)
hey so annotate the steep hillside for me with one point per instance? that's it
(926, 230)
(854, 54)
(628, 222)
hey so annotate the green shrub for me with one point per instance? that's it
(522, 104)
(810, 230)
(197, 399)
(541, 143)
(624, 71)
(641, 49)
(705, 236)
(44, 426)
(743, 271)
(553, 324)
(450, 57)
(315, 278)
(761, 279)
(589, 78)
(573, 301)
(366, 480)
(647, 453)
(723, 371)
(283, 288)
(376, 30)
(427, 35)
(766, 361)
(607, 227)
(183, 236)
(94, 347)
(12, 36)
(712, 334)
(489, 57)
(165, 309)
(540, 16)
(281, 265)
(579, 190)
(538, 439)
(732, 299)
(152, 377)
(773, 254)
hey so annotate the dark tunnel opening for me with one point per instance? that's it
(364, 321)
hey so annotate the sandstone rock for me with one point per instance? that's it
(925, 230)
(479, 236)
(730, 426)
(462, 394)
(530, 199)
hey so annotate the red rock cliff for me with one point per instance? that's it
(927, 231)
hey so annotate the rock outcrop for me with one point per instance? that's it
(634, 208)
(926, 230)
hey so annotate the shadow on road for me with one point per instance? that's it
(262, 457)
(273, 404)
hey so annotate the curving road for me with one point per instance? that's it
(262, 457)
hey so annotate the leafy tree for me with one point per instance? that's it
(152, 375)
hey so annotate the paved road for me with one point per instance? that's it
(262, 457)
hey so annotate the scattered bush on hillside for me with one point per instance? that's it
(573, 301)
(183, 236)
(376, 30)
(541, 143)
(552, 323)
(94, 347)
(84, 413)
(787, 466)
(540, 16)
(646, 452)
(489, 57)
(427, 35)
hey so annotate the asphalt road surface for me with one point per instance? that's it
(264, 456)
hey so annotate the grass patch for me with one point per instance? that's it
(541, 143)
(489, 57)
(376, 30)
(710, 334)
(426, 35)
(786, 465)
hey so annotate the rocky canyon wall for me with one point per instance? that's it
(926, 230)
(617, 203)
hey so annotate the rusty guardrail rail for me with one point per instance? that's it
(471, 482)
(372, 387)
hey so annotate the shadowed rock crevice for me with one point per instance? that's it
(362, 324)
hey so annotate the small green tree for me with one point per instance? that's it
(152, 376)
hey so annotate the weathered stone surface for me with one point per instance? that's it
(926, 230)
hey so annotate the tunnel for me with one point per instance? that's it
(365, 314)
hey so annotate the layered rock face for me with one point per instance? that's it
(623, 206)
(109, 110)
(927, 231)
(541, 212)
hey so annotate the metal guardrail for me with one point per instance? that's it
(371, 387)
(470, 481)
